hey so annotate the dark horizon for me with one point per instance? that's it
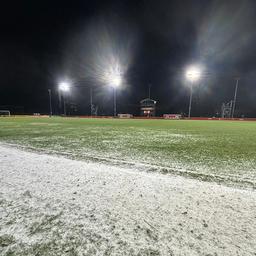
(43, 43)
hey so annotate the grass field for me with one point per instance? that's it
(122, 191)
(211, 150)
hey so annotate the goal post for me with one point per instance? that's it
(5, 112)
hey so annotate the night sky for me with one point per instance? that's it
(45, 42)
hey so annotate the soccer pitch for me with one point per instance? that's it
(222, 151)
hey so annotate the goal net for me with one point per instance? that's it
(5, 113)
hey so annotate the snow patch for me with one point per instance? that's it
(55, 206)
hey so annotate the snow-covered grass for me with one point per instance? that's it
(210, 150)
(55, 206)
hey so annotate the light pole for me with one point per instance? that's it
(234, 101)
(50, 101)
(113, 77)
(192, 74)
(190, 99)
(115, 81)
(114, 101)
(64, 87)
(91, 102)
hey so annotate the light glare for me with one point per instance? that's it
(112, 75)
(193, 73)
(115, 79)
(64, 86)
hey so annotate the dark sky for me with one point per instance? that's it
(45, 42)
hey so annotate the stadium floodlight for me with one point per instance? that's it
(115, 80)
(193, 74)
(64, 87)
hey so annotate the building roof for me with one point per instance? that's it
(148, 101)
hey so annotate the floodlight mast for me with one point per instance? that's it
(50, 101)
(190, 99)
(91, 101)
(64, 87)
(234, 100)
(193, 74)
(115, 81)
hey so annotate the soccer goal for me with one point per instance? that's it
(5, 113)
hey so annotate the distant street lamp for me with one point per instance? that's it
(193, 74)
(64, 87)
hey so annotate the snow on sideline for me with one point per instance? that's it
(245, 183)
(55, 206)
